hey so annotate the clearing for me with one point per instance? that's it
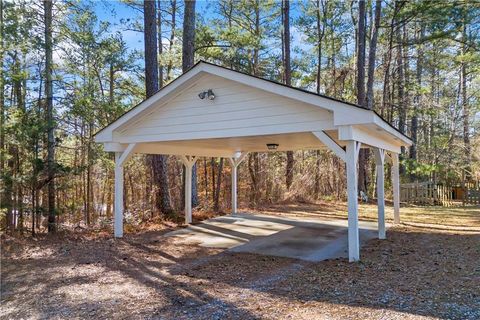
(427, 268)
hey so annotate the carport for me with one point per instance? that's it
(212, 111)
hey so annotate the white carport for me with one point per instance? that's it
(240, 113)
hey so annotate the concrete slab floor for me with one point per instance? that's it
(305, 238)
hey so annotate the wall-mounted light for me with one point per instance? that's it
(207, 94)
(272, 146)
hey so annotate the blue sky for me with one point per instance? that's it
(115, 12)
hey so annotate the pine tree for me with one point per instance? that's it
(52, 227)
(158, 163)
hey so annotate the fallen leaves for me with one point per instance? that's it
(415, 273)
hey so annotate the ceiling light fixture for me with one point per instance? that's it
(207, 94)
(272, 146)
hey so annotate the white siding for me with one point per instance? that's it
(238, 110)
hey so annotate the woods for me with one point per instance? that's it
(68, 70)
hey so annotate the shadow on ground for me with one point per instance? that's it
(412, 272)
(428, 274)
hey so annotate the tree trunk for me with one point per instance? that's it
(150, 37)
(216, 203)
(388, 61)
(188, 45)
(320, 33)
(89, 190)
(254, 169)
(418, 95)
(401, 83)
(172, 37)
(365, 154)
(465, 105)
(6, 195)
(2, 104)
(157, 162)
(257, 36)
(372, 54)
(361, 39)
(52, 228)
(361, 54)
(188, 60)
(205, 178)
(212, 166)
(286, 41)
(317, 175)
(160, 45)
(288, 79)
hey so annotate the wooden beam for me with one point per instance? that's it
(178, 150)
(388, 157)
(189, 161)
(330, 143)
(368, 137)
(237, 159)
(358, 145)
(127, 154)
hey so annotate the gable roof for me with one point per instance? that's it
(203, 65)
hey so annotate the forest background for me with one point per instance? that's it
(69, 68)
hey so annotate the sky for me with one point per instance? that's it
(116, 11)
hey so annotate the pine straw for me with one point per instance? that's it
(415, 273)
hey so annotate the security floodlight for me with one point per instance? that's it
(208, 94)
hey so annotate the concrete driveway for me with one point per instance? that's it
(306, 238)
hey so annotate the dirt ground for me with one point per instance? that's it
(427, 268)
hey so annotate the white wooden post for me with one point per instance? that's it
(396, 187)
(353, 234)
(120, 159)
(380, 162)
(118, 218)
(235, 162)
(189, 162)
(188, 195)
(234, 189)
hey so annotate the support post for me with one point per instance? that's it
(353, 233)
(234, 189)
(188, 195)
(235, 162)
(380, 162)
(120, 159)
(189, 162)
(396, 187)
(118, 216)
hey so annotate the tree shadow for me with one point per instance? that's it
(414, 271)
(141, 266)
(422, 273)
